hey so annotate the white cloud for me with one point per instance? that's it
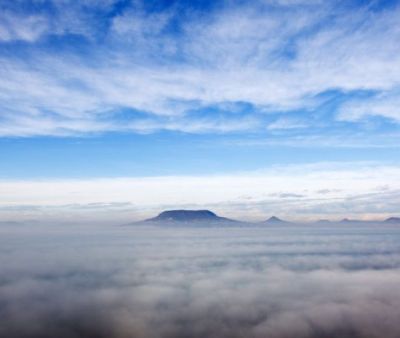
(286, 123)
(20, 27)
(276, 60)
(136, 24)
(385, 105)
(302, 282)
(294, 191)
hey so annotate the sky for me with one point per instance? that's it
(115, 110)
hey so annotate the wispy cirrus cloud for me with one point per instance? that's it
(384, 104)
(278, 57)
(22, 27)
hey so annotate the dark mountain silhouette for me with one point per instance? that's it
(188, 216)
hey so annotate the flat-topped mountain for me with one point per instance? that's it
(188, 216)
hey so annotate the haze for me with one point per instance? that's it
(132, 281)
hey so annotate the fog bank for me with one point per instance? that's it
(122, 282)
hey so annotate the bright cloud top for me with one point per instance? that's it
(243, 282)
(72, 68)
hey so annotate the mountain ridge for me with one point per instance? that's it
(207, 217)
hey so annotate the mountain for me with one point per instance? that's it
(323, 221)
(354, 221)
(275, 221)
(10, 223)
(392, 220)
(189, 216)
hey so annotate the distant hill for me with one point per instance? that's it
(10, 223)
(323, 221)
(393, 220)
(189, 216)
(356, 221)
(275, 221)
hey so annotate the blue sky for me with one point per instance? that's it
(106, 89)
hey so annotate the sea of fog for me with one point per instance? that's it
(129, 281)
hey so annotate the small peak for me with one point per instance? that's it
(274, 219)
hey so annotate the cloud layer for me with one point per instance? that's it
(136, 282)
